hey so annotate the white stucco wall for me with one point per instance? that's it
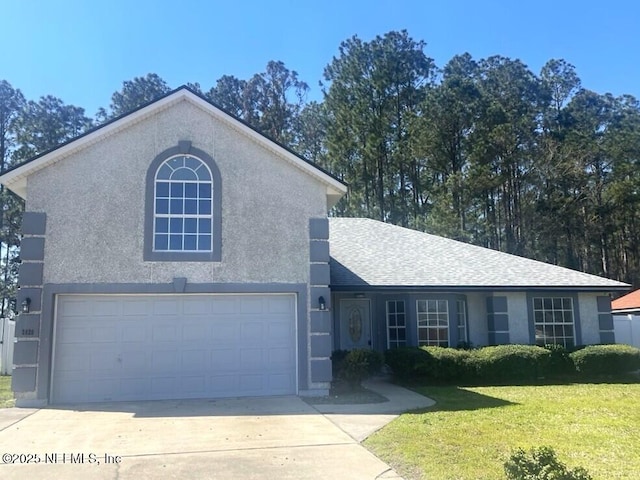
(588, 308)
(95, 206)
(477, 312)
(518, 317)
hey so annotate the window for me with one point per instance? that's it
(433, 322)
(462, 321)
(396, 324)
(183, 207)
(183, 215)
(553, 321)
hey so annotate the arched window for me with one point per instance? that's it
(183, 206)
(183, 216)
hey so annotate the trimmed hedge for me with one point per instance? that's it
(441, 363)
(499, 363)
(511, 362)
(407, 362)
(606, 359)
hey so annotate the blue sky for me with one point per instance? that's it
(82, 50)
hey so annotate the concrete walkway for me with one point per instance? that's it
(360, 421)
(248, 438)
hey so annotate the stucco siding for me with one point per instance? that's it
(477, 312)
(588, 308)
(266, 206)
(519, 331)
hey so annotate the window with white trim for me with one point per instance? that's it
(396, 324)
(462, 321)
(183, 213)
(433, 322)
(554, 321)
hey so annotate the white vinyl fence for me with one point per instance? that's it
(7, 334)
(627, 329)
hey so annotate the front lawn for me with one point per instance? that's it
(6, 395)
(471, 431)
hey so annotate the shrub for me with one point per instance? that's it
(446, 364)
(606, 359)
(358, 364)
(560, 362)
(407, 362)
(337, 360)
(511, 362)
(540, 464)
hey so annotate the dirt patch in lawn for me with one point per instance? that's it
(344, 394)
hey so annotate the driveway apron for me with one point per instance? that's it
(255, 438)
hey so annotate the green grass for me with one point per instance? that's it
(6, 395)
(471, 431)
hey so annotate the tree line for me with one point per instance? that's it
(480, 150)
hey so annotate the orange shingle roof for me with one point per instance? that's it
(629, 301)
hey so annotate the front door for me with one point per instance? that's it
(355, 323)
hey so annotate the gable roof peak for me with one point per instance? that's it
(15, 178)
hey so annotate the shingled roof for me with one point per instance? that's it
(367, 253)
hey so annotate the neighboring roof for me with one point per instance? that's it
(367, 253)
(629, 302)
(16, 177)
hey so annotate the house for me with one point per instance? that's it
(175, 252)
(412, 288)
(626, 318)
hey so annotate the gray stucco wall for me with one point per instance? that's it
(94, 201)
(266, 206)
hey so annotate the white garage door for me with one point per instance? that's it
(152, 347)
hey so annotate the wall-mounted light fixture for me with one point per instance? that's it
(322, 305)
(26, 303)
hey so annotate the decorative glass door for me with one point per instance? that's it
(355, 323)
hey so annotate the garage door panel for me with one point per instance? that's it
(105, 332)
(72, 335)
(252, 359)
(194, 360)
(72, 362)
(174, 346)
(281, 305)
(194, 385)
(196, 330)
(251, 305)
(107, 308)
(224, 332)
(224, 305)
(134, 306)
(165, 332)
(224, 360)
(103, 362)
(133, 330)
(170, 306)
(252, 333)
(167, 361)
(196, 306)
(136, 362)
(280, 357)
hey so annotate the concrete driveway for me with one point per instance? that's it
(259, 438)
